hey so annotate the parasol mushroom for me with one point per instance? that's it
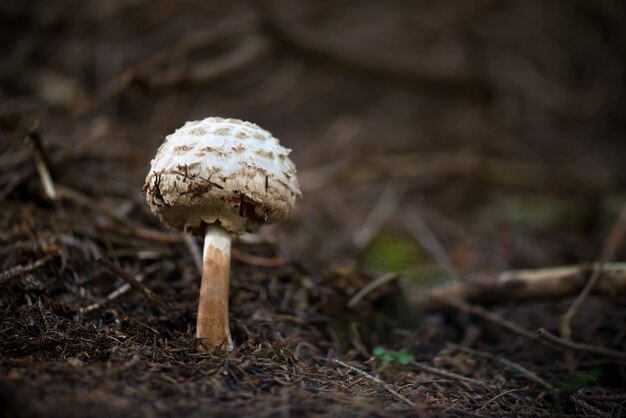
(220, 177)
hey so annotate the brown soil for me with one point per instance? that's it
(494, 132)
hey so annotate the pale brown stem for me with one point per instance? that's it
(212, 329)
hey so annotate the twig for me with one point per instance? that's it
(111, 296)
(423, 234)
(498, 396)
(254, 260)
(361, 372)
(122, 289)
(162, 236)
(41, 160)
(448, 375)
(507, 363)
(541, 335)
(374, 284)
(133, 227)
(608, 252)
(384, 209)
(376, 380)
(156, 235)
(194, 249)
(256, 238)
(21, 269)
(579, 347)
(155, 300)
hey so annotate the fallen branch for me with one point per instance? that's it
(553, 282)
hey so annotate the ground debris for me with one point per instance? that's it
(488, 142)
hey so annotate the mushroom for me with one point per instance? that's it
(220, 177)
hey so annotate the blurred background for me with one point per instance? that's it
(433, 139)
(496, 115)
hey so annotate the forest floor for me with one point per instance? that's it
(435, 142)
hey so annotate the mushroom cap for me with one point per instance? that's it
(224, 171)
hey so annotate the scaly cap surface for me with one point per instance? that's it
(221, 170)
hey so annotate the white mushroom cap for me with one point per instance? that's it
(224, 171)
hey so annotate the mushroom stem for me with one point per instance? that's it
(212, 329)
